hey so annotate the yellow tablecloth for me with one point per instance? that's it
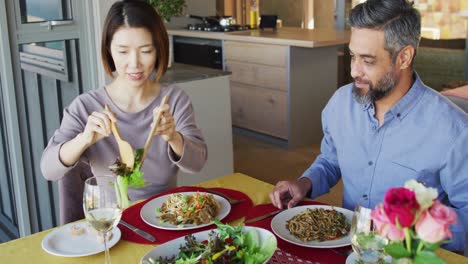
(28, 249)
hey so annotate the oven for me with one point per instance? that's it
(198, 51)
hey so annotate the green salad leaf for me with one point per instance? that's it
(127, 177)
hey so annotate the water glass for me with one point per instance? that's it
(365, 241)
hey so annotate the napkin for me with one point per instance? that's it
(321, 255)
(282, 257)
(132, 216)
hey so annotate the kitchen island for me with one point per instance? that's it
(281, 80)
(208, 90)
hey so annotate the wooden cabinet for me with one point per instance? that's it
(259, 109)
(259, 54)
(279, 91)
(258, 86)
(258, 75)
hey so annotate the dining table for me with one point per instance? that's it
(28, 249)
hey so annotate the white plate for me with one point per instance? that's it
(352, 258)
(61, 242)
(278, 225)
(148, 212)
(171, 248)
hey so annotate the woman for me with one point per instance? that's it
(134, 45)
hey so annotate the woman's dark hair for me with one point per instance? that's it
(399, 20)
(135, 14)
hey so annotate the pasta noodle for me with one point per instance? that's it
(199, 208)
(318, 224)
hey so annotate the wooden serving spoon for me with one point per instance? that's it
(125, 149)
(151, 134)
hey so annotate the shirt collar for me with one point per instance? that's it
(406, 103)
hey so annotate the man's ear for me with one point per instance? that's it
(405, 57)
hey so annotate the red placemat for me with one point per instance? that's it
(131, 215)
(283, 257)
(321, 255)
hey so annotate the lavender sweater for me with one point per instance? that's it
(161, 165)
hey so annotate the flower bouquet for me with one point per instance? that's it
(414, 222)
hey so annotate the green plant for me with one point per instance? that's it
(168, 8)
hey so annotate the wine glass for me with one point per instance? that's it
(101, 206)
(366, 242)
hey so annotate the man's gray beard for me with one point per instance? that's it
(385, 85)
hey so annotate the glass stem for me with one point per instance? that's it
(107, 255)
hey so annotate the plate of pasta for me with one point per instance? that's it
(317, 226)
(185, 210)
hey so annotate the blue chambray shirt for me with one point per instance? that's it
(424, 136)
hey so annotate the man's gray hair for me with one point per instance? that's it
(399, 20)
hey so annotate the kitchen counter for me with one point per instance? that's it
(297, 37)
(179, 73)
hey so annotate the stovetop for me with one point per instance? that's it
(216, 28)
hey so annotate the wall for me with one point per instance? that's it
(201, 7)
(290, 12)
(324, 14)
(313, 13)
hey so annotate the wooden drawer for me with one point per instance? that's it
(258, 75)
(273, 55)
(259, 109)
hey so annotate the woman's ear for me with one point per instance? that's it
(405, 57)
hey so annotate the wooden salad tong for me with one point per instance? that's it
(149, 139)
(125, 149)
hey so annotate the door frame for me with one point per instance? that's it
(11, 81)
(12, 125)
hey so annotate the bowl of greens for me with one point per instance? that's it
(225, 244)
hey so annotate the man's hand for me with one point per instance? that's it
(289, 193)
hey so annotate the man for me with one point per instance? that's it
(387, 127)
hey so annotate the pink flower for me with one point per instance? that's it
(433, 224)
(400, 205)
(384, 227)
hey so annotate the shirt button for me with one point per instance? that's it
(370, 163)
(398, 115)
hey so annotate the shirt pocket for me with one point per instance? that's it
(404, 170)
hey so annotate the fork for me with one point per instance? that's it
(230, 200)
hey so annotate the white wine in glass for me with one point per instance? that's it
(101, 206)
(366, 242)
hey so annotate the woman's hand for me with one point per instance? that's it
(98, 126)
(166, 126)
(167, 129)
